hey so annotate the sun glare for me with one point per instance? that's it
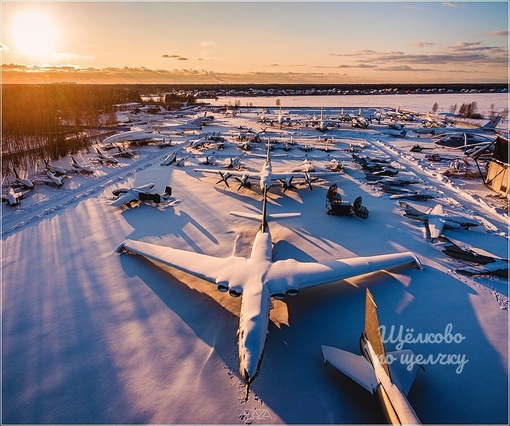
(34, 34)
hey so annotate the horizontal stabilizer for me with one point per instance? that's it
(258, 216)
(400, 374)
(354, 366)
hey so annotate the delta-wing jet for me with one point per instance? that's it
(436, 219)
(259, 278)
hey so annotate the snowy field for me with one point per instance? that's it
(91, 336)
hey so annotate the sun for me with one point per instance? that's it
(34, 34)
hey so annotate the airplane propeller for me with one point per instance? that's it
(287, 183)
(243, 182)
(309, 180)
(224, 178)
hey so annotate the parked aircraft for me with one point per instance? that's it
(459, 140)
(265, 177)
(424, 131)
(141, 193)
(429, 121)
(380, 373)
(169, 159)
(105, 158)
(259, 278)
(359, 120)
(136, 134)
(55, 169)
(436, 219)
(24, 183)
(13, 196)
(396, 133)
(280, 120)
(52, 178)
(80, 167)
(485, 262)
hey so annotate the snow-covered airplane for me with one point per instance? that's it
(265, 176)
(13, 196)
(259, 278)
(136, 134)
(25, 183)
(105, 158)
(140, 193)
(380, 373)
(359, 120)
(80, 167)
(485, 263)
(436, 219)
(280, 120)
(52, 178)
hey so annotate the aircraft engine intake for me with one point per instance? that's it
(292, 292)
(223, 288)
(234, 292)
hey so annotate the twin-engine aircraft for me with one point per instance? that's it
(259, 278)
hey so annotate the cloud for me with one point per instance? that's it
(177, 57)
(405, 68)
(466, 52)
(502, 33)
(451, 5)
(422, 44)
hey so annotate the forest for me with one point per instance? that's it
(45, 122)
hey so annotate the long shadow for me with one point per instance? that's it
(209, 306)
(58, 362)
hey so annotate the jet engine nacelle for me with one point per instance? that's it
(234, 292)
(292, 292)
(223, 288)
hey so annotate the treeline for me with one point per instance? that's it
(49, 121)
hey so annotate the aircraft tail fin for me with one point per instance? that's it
(372, 331)
(492, 123)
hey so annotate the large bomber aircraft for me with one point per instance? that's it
(265, 176)
(259, 278)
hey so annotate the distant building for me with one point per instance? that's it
(497, 172)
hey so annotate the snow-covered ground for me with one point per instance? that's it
(91, 336)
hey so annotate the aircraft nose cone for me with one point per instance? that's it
(246, 376)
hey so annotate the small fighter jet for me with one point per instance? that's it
(80, 168)
(485, 263)
(437, 219)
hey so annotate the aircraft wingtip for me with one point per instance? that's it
(120, 248)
